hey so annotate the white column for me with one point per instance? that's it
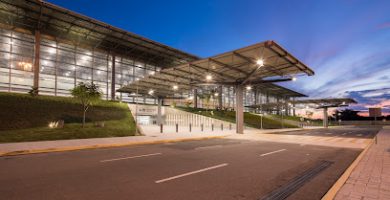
(325, 117)
(239, 110)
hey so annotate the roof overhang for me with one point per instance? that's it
(67, 26)
(326, 102)
(238, 67)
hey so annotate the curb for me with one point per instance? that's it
(49, 150)
(331, 194)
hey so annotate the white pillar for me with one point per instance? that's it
(239, 110)
(325, 121)
(159, 105)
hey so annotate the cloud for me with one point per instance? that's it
(384, 25)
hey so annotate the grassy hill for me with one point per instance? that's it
(26, 118)
(250, 120)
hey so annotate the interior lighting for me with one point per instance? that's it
(209, 77)
(260, 62)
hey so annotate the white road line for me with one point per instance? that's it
(146, 155)
(344, 134)
(272, 152)
(208, 147)
(190, 173)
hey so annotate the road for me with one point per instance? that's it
(209, 169)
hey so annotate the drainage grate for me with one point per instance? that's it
(286, 190)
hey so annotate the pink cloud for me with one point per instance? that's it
(384, 25)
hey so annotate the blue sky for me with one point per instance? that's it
(346, 42)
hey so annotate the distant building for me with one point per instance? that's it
(375, 112)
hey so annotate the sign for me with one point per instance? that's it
(375, 112)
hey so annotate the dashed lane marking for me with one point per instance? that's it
(124, 158)
(272, 152)
(191, 173)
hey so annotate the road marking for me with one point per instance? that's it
(193, 172)
(146, 155)
(208, 147)
(328, 133)
(272, 152)
(359, 135)
(344, 134)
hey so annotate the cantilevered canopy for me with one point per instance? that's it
(277, 90)
(65, 25)
(261, 63)
(328, 102)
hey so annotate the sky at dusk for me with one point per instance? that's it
(346, 42)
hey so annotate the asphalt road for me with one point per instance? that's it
(209, 169)
(347, 132)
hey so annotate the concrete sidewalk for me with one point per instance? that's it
(77, 144)
(370, 179)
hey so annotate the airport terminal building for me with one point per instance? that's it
(53, 49)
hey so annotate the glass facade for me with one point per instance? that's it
(62, 66)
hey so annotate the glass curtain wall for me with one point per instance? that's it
(16, 63)
(62, 66)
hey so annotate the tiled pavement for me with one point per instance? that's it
(371, 178)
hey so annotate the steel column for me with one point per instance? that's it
(159, 105)
(195, 98)
(37, 58)
(113, 78)
(239, 110)
(220, 97)
(325, 121)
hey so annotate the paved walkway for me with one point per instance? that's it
(371, 178)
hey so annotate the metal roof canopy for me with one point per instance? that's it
(326, 102)
(238, 67)
(63, 24)
(278, 90)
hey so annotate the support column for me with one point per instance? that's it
(37, 50)
(239, 110)
(220, 97)
(113, 78)
(294, 107)
(195, 98)
(159, 105)
(256, 96)
(325, 121)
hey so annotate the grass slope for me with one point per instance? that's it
(26, 118)
(230, 116)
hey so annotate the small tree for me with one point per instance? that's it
(87, 94)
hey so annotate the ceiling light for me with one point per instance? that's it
(260, 62)
(294, 79)
(216, 94)
(151, 92)
(248, 87)
(209, 77)
(175, 87)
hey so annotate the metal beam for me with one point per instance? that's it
(228, 66)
